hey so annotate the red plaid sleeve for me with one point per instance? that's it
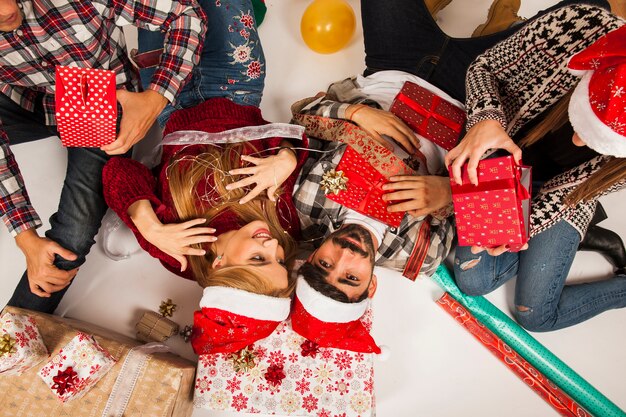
(184, 23)
(15, 208)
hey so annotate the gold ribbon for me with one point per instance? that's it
(7, 345)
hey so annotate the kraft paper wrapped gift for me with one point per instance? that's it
(86, 106)
(285, 374)
(496, 211)
(154, 327)
(155, 384)
(21, 345)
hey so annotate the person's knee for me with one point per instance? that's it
(530, 319)
(469, 278)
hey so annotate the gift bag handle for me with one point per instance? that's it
(83, 84)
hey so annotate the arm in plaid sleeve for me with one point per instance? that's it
(184, 22)
(15, 208)
(335, 102)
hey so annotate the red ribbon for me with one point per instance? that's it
(429, 113)
(356, 180)
(65, 381)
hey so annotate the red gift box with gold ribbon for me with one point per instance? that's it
(363, 190)
(496, 211)
(431, 116)
(86, 106)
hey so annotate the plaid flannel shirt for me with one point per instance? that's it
(85, 34)
(319, 217)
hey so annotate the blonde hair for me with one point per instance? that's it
(185, 173)
(611, 172)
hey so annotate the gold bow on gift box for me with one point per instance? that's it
(244, 360)
(7, 345)
(333, 182)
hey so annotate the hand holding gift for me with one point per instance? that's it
(378, 122)
(493, 214)
(485, 135)
(421, 195)
(140, 110)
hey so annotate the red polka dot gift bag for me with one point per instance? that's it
(86, 106)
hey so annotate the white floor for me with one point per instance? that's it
(436, 368)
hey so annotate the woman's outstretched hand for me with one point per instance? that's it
(267, 173)
(174, 239)
(485, 135)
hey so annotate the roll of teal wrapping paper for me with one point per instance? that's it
(530, 349)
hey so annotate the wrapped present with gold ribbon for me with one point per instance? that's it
(21, 345)
(145, 381)
(154, 327)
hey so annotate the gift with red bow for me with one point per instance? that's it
(429, 115)
(21, 345)
(496, 211)
(357, 185)
(86, 106)
(76, 367)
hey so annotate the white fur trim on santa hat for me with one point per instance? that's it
(577, 72)
(325, 308)
(244, 303)
(593, 131)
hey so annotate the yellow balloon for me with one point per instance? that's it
(327, 25)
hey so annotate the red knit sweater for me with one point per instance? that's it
(126, 181)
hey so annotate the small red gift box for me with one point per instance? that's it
(86, 106)
(495, 212)
(431, 116)
(363, 190)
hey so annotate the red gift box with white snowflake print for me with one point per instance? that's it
(285, 374)
(86, 106)
(429, 115)
(364, 191)
(496, 211)
(21, 345)
(76, 367)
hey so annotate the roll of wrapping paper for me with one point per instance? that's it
(560, 401)
(530, 349)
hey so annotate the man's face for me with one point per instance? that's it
(348, 256)
(10, 15)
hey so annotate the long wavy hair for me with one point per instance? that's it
(185, 173)
(613, 170)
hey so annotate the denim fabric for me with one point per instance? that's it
(402, 35)
(541, 272)
(81, 207)
(232, 64)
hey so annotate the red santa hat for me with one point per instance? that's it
(597, 109)
(231, 319)
(330, 323)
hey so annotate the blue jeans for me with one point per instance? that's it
(543, 301)
(232, 64)
(81, 208)
(402, 35)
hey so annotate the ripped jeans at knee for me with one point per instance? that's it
(479, 274)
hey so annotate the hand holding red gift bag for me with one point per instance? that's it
(496, 211)
(86, 106)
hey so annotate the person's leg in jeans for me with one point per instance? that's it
(542, 300)
(232, 64)
(402, 35)
(81, 207)
(481, 273)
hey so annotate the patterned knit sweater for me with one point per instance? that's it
(521, 77)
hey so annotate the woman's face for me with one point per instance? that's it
(253, 245)
(576, 140)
